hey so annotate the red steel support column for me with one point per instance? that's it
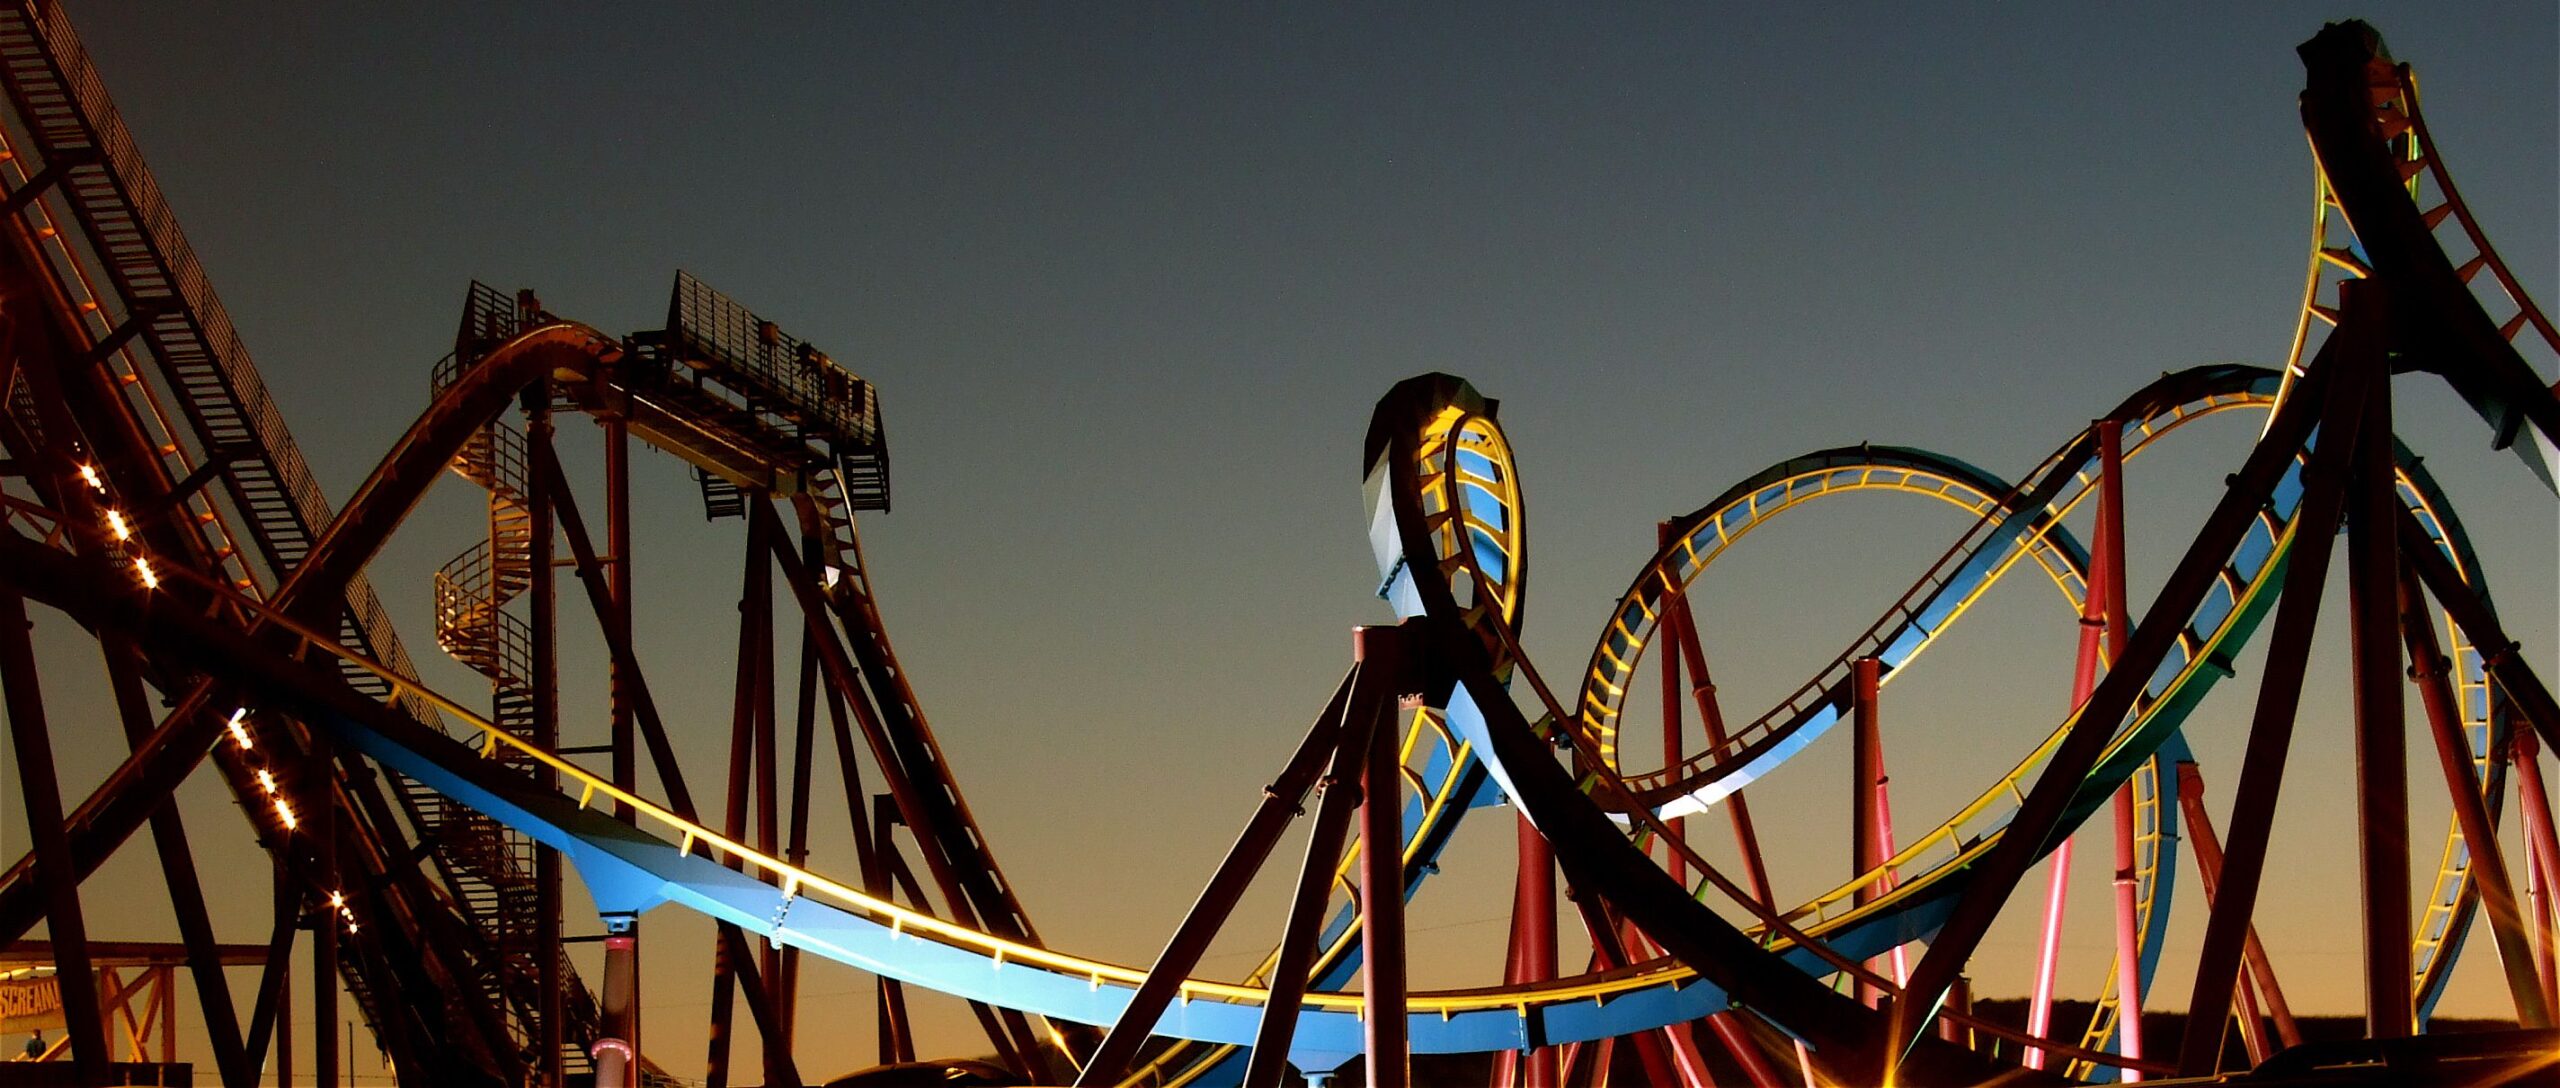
(41, 793)
(2382, 746)
(804, 738)
(755, 639)
(2084, 678)
(1702, 690)
(2108, 574)
(2542, 846)
(1532, 955)
(777, 1035)
(543, 592)
(2261, 977)
(1382, 966)
(1672, 753)
(1866, 774)
(617, 1060)
(2019, 846)
(617, 541)
(2462, 783)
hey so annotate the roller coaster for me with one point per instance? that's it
(155, 499)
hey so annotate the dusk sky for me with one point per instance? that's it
(1130, 279)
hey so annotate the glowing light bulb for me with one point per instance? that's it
(266, 780)
(89, 473)
(239, 730)
(338, 900)
(115, 521)
(142, 567)
(284, 812)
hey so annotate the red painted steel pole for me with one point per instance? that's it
(1744, 1050)
(1866, 769)
(1532, 955)
(804, 739)
(735, 961)
(2018, 847)
(542, 590)
(617, 534)
(2084, 678)
(2108, 572)
(2543, 847)
(617, 1061)
(2261, 975)
(2382, 746)
(1702, 690)
(1680, 1045)
(2462, 783)
(1672, 753)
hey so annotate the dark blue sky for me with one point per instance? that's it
(1130, 279)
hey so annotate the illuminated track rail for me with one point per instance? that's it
(808, 910)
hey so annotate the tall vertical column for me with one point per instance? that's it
(1866, 774)
(2382, 755)
(1672, 753)
(1382, 967)
(324, 917)
(1532, 949)
(543, 590)
(617, 1058)
(617, 533)
(2542, 849)
(2108, 588)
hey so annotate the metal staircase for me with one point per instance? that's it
(721, 496)
(492, 868)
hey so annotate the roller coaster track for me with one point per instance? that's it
(834, 919)
(121, 531)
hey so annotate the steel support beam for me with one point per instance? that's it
(2024, 839)
(32, 742)
(1370, 704)
(1281, 803)
(1531, 956)
(2356, 352)
(2542, 854)
(543, 592)
(2430, 669)
(2382, 744)
(1382, 966)
(616, 1059)
(1866, 778)
(178, 873)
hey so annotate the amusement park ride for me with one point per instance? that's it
(153, 495)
